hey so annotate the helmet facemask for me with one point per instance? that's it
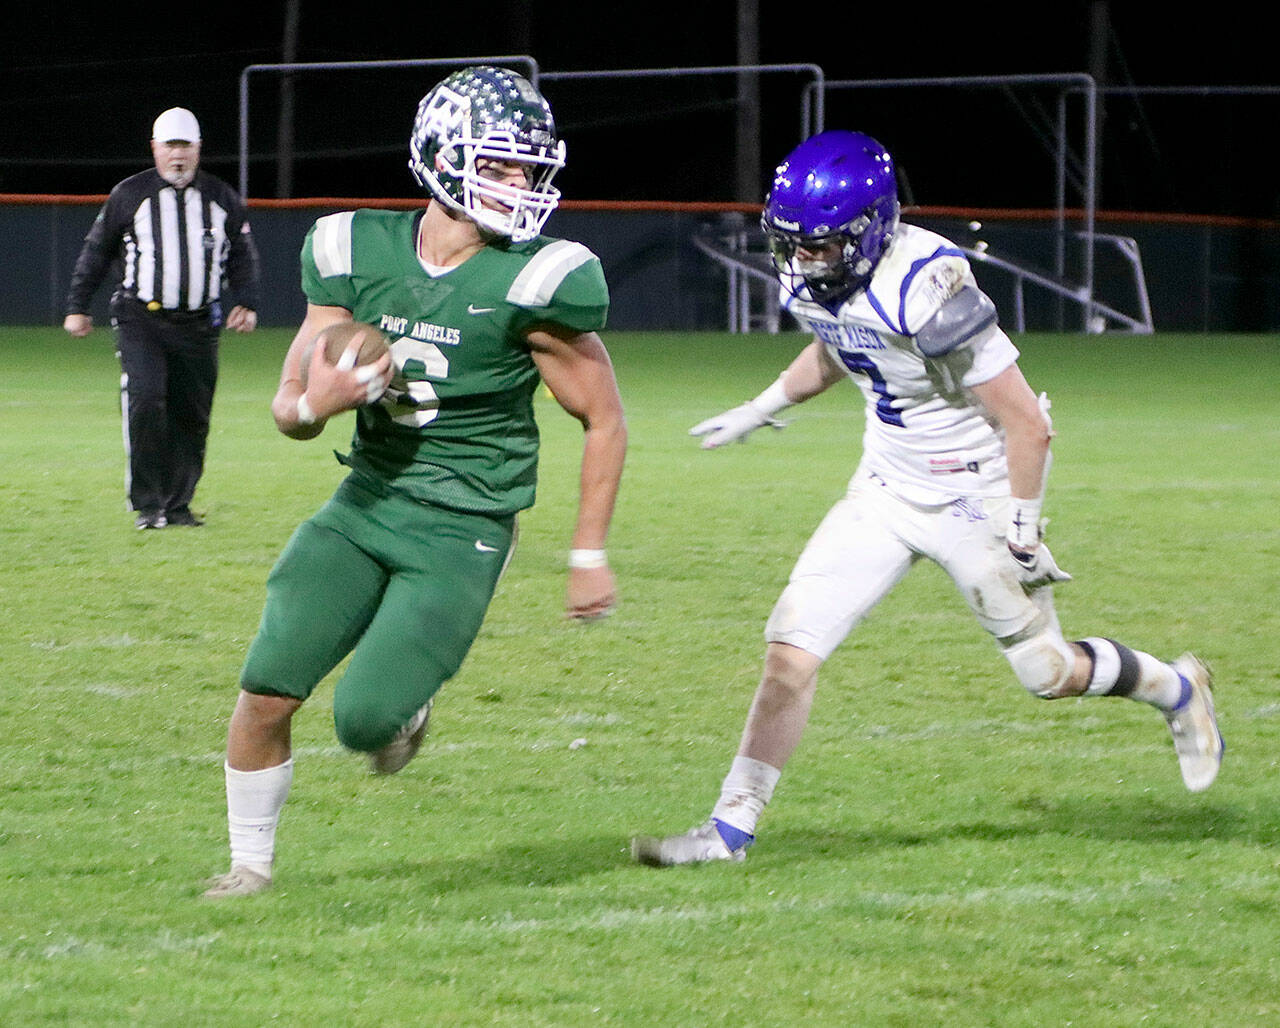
(478, 117)
(851, 254)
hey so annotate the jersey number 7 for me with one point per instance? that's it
(862, 364)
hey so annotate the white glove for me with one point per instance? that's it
(1037, 568)
(740, 422)
(733, 425)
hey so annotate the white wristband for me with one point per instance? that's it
(773, 399)
(587, 559)
(306, 416)
(1024, 523)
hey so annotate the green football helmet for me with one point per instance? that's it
(484, 114)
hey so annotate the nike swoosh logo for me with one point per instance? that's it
(485, 549)
(473, 309)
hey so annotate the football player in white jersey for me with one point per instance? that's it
(955, 458)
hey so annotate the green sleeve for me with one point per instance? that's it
(326, 263)
(563, 284)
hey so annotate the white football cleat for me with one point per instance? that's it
(1194, 726)
(696, 846)
(401, 749)
(239, 881)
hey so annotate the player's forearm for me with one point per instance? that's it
(1028, 455)
(603, 454)
(293, 419)
(809, 374)
(1027, 429)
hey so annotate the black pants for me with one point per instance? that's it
(169, 362)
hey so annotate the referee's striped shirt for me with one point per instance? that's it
(175, 247)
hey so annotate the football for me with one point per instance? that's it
(336, 338)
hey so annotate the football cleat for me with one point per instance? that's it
(1194, 725)
(239, 881)
(400, 750)
(697, 846)
(149, 519)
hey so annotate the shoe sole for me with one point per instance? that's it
(1198, 673)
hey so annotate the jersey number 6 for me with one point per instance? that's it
(410, 398)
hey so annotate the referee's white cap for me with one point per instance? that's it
(176, 123)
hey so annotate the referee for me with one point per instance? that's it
(174, 237)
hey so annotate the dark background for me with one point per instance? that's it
(82, 83)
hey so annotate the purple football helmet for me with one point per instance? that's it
(837, 188)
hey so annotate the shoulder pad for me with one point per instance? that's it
(931, 283)
(546, 271)
(562, 283)
(958, 320)
(331, 244)
(919, 273)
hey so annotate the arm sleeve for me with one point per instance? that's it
(244, 266)
(326, 262)
(563, 284)
(981, 359)
(96, 255)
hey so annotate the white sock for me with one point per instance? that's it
(1158, 684)
(254, 802)
(746, 791)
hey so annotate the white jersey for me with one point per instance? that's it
(926, 434)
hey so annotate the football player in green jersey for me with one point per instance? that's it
(399, 566)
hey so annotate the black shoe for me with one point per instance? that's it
(150, 519)
(183, 519)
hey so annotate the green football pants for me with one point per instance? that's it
(401, 586)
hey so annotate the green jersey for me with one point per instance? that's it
(455, 427)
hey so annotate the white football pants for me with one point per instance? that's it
(868, 541)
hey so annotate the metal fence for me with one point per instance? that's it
(1045, 256)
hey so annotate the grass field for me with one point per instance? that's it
(942, 850)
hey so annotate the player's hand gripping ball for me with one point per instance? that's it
(342, 342)
(338, 338)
